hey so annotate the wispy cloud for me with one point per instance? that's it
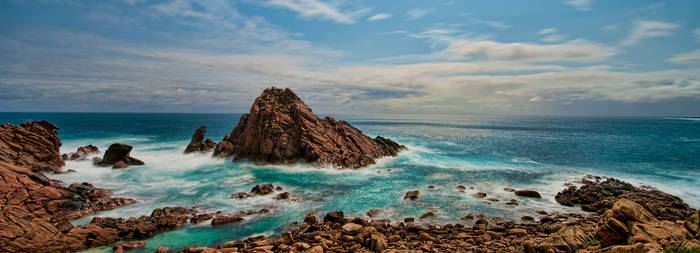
(553, 38)
(696, 32)
(686, 58)
(571, 51)
(417, 13)
(550, 35)
(317, 9)
(645, 29)
(492, 23)
(547, 31)
(581, 5)
(379, 16)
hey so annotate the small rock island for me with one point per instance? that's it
(282, 129)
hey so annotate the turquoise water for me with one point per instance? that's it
(484, 152)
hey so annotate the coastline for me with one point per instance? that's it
(176, 222)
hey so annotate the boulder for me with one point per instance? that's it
(411, 195)
(263, 189)
(117, 155)
(528, 193)
(334, 217)
(282, 129)
(198, 144)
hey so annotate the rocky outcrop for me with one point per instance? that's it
(600, 196)
(630, 223)
(81, 153)
(36, 210)
(198, 144)
(117, 155)
(281, 128)
(33, 145)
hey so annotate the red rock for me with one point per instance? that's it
(336, 217)
(225, 220)
(198, 144)
(33, 145)
(281, 128)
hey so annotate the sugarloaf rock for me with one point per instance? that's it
(281, 128)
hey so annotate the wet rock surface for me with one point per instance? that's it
(117, 155)
(198, 144)
(81, 153)
(281, 128)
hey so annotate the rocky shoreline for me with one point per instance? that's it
(37, 213)
(628, 224)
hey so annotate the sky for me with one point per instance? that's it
(545, 57)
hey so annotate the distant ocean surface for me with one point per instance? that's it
(488, 153)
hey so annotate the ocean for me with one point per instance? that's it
(486, 153)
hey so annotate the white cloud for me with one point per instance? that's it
(491, 23)
(571, 51)
(553, 38)
(581, 5)
(379, 16)
(687, 58)
(550, 35)
(417, 13)
(316, 8)
(648, 29)
(547, 31)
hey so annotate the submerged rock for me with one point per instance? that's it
(281, 128)
(198, 144)
(117, 155)
(33, 145)
(411, 195)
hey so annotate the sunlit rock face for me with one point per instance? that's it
(281, 128)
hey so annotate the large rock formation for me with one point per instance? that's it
(117, 155)
(36, 210)
(33, 145)
(198, 144)
(281, 128)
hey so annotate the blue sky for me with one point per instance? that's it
(558, 57)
